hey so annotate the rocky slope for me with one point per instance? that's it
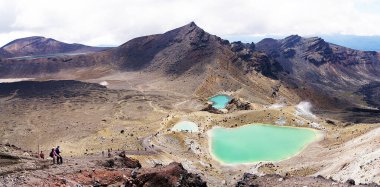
(188, 49)
(36, 45)
(88, 171)
(323, 63)
(330, 76)
(4, 54)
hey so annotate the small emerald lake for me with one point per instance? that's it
(220, 101)
(258, 142)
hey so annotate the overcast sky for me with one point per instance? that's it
(113, 22)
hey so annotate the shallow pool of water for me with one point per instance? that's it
(258, 142)
(186, 126)
(220, 101)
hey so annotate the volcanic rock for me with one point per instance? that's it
(172, 175)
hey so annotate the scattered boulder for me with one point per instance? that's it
(172, 175)
(350, 182)
(247, 180)
(122, 162)
(234, 104)
(330, 122)
(211, 109)
(109, 163)
(238, 104)
(131, 163)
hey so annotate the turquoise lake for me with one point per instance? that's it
(220, 101)
(258, 142)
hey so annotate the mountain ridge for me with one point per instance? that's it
(38, 45)
(311, 68)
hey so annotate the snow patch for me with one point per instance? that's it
(104, 83)
(14, 80)
(276, 106)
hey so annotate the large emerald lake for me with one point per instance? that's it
(258, 142)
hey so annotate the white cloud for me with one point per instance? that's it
(102, 22)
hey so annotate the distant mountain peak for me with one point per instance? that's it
(190, 27)
(39, 45)
(292, 40)
(293, 37)
(192, 24)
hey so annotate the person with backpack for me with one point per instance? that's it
(58, 154)
(53, 154)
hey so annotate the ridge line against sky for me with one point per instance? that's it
(113, 22)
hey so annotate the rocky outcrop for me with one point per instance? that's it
(172, 175)
(122, 162)
(318, 52)
(240, 46)
(238, 104)
(250, 60)
(211, 109)
(234, 105)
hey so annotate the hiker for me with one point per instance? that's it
(53, 155)
(59, 157)
(42, 155)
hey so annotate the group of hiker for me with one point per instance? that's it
(55, 153)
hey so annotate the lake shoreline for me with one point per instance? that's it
(318, 136)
